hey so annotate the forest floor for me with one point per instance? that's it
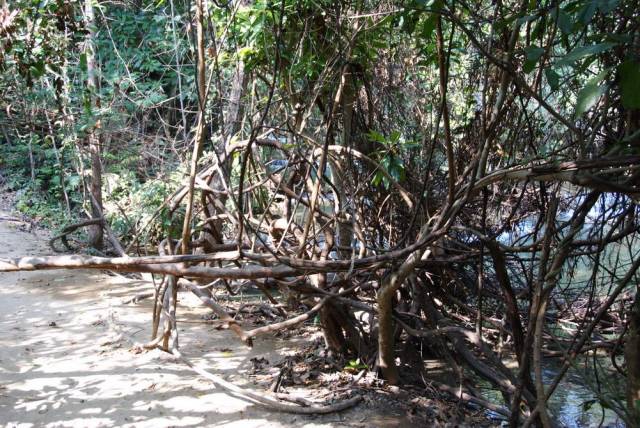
(70, 356)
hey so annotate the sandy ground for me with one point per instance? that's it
(68, 357)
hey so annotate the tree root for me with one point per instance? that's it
(138, 297)
(472, 399)
(70, 229)
(306, 409)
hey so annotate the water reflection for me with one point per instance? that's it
(567, 404)
(573, 403)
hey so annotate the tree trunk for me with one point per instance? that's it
(232, 124)
(344, 228)
(95, 232)
(632, 356)
(234, 110)
(200, 130)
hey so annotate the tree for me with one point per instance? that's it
(463, 173)
(92, 103)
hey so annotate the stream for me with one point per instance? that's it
(574, 403)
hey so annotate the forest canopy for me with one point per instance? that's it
(444, 179)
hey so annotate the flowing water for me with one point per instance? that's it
(574, 403)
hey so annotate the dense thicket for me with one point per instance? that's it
(436, 179)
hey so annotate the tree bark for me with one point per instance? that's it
(200, 131)
(632, 356)
(95, 232)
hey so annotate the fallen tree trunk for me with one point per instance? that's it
(166, 265)
(286, 266)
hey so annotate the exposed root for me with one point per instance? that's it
(306, 408)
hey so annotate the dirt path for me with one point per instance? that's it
(67, 357)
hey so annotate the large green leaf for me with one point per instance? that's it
(533, 54)
(590, 93)
(607, 6)
(629, 72)
(588, 11)
(429, 26)
(564, 22)
(583, 51)
(552, 78)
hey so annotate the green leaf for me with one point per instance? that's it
(590, 94)
(429, 26)
(538, 30)
(355, 365)
(386, 163)
(73, 181)
(564, 22)
(588, 11)
(583, 51)
(377, 178)
(607, 6)
(552, 78)
(37, 69)
(83, 62)
(629, 73)
(533, 54)
(376, 137)
(505, 22)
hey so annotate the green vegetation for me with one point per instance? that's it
(443, 166)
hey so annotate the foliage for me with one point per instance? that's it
(510, 131)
